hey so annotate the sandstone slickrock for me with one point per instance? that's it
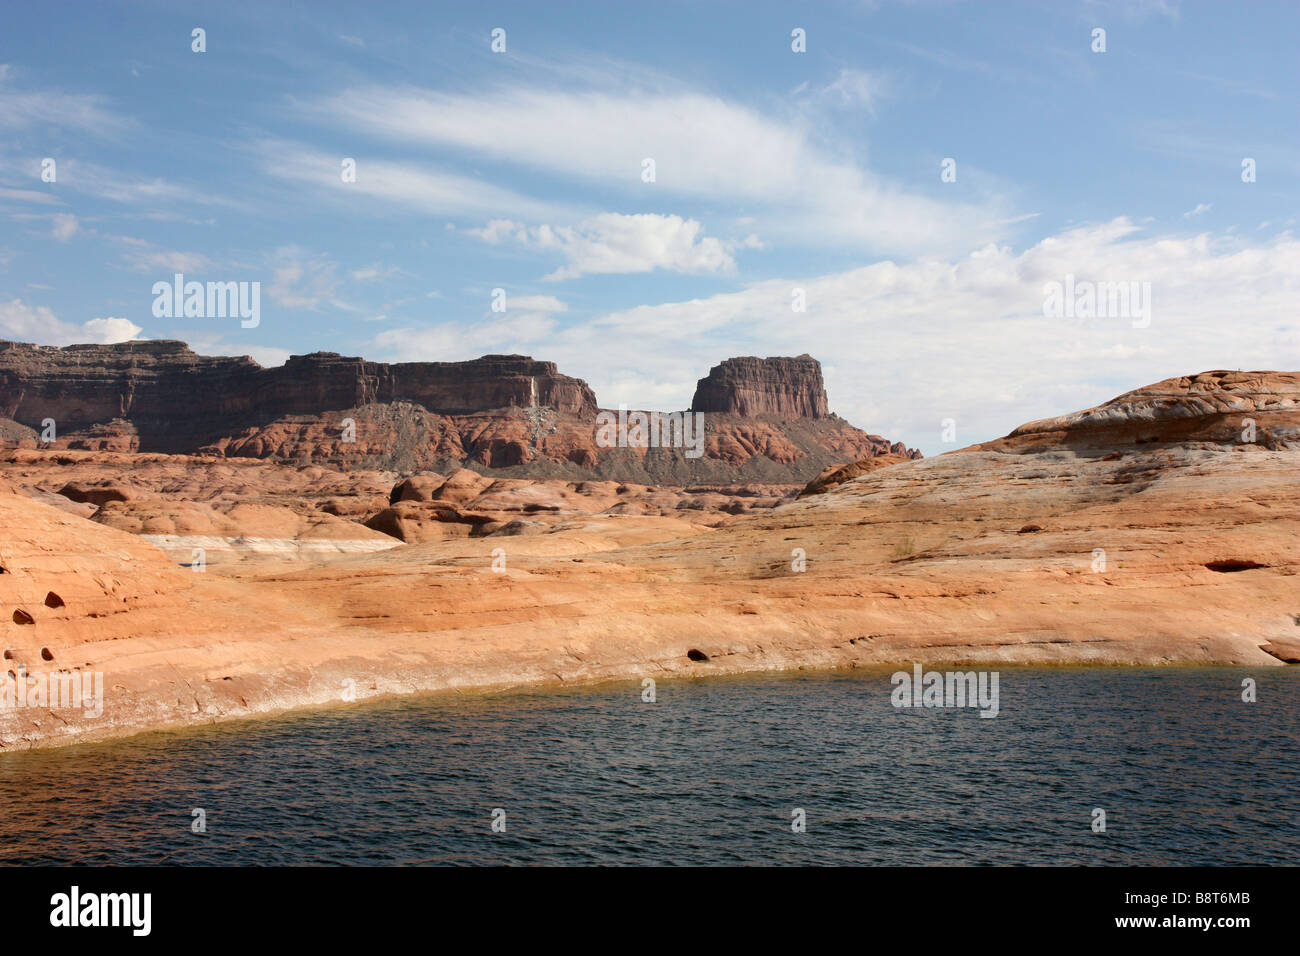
(248, 507)
(1214, 406)
(508, 414)
(1165, 538)
(832, 477)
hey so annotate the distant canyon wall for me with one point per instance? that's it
(766, 419)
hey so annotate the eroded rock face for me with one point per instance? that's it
(772, 387)
(244, 508)
(1240, 407)
(176, 400)
(766, 420)
(833, 477)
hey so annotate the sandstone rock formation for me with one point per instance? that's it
(1164, 535)
(772, 387)
(835, 476)
(1219, 406)
(245, 507)
(766, 419)
(428, 507)
(177, 401)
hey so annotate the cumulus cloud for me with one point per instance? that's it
(110, 330)
(616, 243)
(906, 345)
(27, 323)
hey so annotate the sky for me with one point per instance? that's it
(916, 177)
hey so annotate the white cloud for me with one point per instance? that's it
(103, 182)
(107, 331)
(907, 345)
(1201, 207)
(703, 147)
(616, 243)
(163, 260)
(26, 323)
(367, 273)
(302, 280)
(410, 186)
(65, 226)
(21, 109)
(527, 326)
(858, 88)
(30, 195)
(535, 303)
(513, 332)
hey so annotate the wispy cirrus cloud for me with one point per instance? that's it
(305, 280)
(29, 196)
(141, 255)
(859, 89)
(402, 185)
(65, 226)
(27, 108)
(703, 146)
(105, 182)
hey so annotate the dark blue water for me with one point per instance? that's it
(1186, 772)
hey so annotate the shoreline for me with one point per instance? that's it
(506, 691)
(126, 722)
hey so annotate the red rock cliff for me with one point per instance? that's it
(763, 387)
(766, 420)
(178, 400)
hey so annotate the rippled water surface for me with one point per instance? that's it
(710, 773)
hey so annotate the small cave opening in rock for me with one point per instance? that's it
(22, 617)
(9, 655)
(53, 600)
(47, 654)
(1233, 564)
(696, 655)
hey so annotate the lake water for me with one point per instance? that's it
(710, 773)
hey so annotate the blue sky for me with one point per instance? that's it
(774, 171)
